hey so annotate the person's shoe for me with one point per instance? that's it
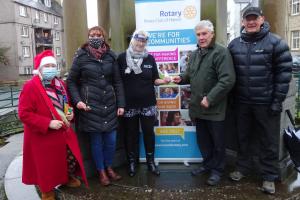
(48, 195)
(153, 169)
(104, 180)
(268, 187)
(236, 176)
(113, 175)
(73, 182)
(151, 164)
(213, 180)
(198, 171)
(131, 169)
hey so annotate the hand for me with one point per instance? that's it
(275, 108)
(167, 79)
(120, 111)
(70, 116)
(55, 124)
(204, 103)
(176, 79)
(82, 106)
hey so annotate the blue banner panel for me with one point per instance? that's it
(172, 37)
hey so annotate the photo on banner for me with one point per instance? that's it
(170, 24)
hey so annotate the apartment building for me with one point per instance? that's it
(293, 26)
(28, 27)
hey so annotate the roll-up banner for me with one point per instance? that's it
(170, 24)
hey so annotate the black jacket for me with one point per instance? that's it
(263, 66)
(139, 88)
(97, 83)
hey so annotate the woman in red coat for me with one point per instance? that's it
(51, 154)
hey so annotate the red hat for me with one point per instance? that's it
(46, 57)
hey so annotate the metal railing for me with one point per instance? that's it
(296, 75)
(9, 121)
(44, 40)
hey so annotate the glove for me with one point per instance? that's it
(275, 108)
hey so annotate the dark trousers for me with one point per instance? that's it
(131, 130)
(211, 142)
(251, 118)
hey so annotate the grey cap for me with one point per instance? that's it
(253, 11)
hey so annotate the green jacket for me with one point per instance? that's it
(210, 73)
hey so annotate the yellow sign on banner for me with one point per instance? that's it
(170, 131)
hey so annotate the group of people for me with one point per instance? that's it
(254, 71)
(98, 85)
(102, 87)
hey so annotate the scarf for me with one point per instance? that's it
(58, 96)
(97, 53)
(134, 60)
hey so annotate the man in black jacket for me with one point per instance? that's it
(263, 71)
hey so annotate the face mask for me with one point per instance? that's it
(96, 42)
(48, 73)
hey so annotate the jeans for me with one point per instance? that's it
(103, 148)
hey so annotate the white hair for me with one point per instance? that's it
(205, 24)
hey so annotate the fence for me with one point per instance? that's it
(9, 121)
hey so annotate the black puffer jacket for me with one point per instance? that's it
(97, 83)
(263, 66)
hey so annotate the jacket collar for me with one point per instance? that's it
(204, 51)
(264, 30)
(38, 83)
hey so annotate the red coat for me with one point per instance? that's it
(44, 149)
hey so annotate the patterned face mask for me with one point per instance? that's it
(96, 42)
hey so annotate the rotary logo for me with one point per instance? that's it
(190, 12)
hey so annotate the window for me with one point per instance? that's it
(57, 36)
(22, 10)
(45, 17)
(26, 51)
(295, 40)
(48, 3)
(56, 20)
(28, 70)
(37, 15)
(24, 31)
(295, 7)
(57, 51)
(59, 67)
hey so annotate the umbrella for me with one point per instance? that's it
(291, 137)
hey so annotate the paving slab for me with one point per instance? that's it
(7, 153)
(14, 188)
(175, 182)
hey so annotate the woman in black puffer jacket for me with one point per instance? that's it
(96, 90)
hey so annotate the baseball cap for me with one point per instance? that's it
(252, 11)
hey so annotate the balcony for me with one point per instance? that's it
(43, 41)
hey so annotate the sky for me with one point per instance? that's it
(92, 15)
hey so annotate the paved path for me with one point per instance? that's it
(7, 154)
(175, 182)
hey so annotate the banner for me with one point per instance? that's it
(170, 24)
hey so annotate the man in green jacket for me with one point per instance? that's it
(211, 75)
